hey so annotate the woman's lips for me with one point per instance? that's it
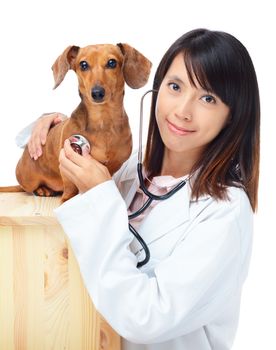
(177, 130)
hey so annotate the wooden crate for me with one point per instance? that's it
(43, 302)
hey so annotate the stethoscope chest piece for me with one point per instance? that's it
(79, 144)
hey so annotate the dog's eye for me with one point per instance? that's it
(84, 65)
(111, 63)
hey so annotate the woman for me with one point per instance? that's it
(204, 129)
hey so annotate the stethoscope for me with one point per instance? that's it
(151, 196)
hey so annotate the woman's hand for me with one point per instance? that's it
(82, 170)
(40, 132)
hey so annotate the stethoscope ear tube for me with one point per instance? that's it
(141, 124)
(151, 196)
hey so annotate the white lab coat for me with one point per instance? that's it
(187, 297)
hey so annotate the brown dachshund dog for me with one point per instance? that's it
(102, 71)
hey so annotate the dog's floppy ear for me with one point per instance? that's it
(136, 67)
(63, 63)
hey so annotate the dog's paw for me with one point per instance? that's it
(44, 191)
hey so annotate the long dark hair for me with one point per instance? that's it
(222, 65)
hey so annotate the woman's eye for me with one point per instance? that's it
(209, 99)
(84, 65)
(111, 63)
(174, 86)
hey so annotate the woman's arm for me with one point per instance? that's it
(190, 287)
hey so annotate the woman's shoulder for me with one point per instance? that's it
(238, 197)
(235, 206)
(240, 200)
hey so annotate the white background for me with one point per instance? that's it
(33, 33)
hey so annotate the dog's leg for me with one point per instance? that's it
(44, 191)
(40, 176)
(70, 190)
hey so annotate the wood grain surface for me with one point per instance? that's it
(43, 302)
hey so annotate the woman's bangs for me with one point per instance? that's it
(211, 77)
(196, 72)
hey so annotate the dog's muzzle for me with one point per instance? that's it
(98, 93)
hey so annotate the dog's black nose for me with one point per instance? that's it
(98, 93)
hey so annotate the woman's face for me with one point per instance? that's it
(188, 117)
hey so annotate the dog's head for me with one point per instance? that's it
(102, 70)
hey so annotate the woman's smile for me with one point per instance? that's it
(178, 130)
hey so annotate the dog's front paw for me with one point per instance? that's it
(44, 191)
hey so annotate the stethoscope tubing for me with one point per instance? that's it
(151, 196)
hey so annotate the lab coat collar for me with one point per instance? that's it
(165, 216)
(130, 182)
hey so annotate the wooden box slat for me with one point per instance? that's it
(43, 302)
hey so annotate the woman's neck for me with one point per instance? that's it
(177, 164)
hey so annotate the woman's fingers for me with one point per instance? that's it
(74, 156)
(59, 118)
(40, 132)
(68, 168)
(43, 133)
(69, 159)
(34, 147)
(84, 171)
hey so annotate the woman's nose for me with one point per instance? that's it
(184, 110)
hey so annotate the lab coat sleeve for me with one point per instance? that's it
(189, 288)
(22, 138)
